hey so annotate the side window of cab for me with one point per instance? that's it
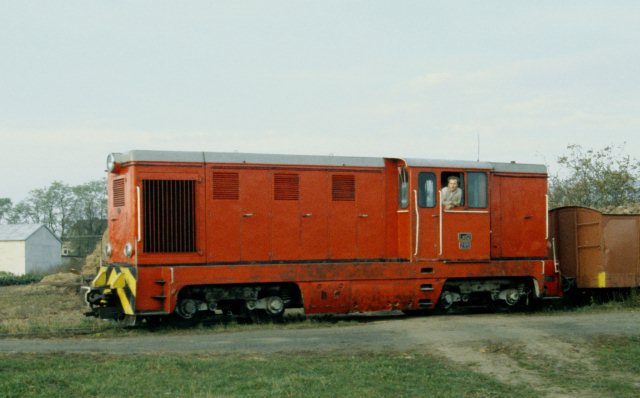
(403, 188)
(427, 189)
(477, 189)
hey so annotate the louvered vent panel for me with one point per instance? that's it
(118, 192)
(226, 186)
(169, 216)
(343, 187)
(286, 186)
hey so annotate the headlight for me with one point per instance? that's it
(112, 165)
(107, 250)
(128, 250)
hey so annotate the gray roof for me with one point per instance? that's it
(20, 232)
(256, 158)
(468, 164)
(311, 160)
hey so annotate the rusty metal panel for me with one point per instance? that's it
(563, 230)
(599, 251)
(621, 251)
(589, 247)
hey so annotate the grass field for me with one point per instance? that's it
(613, 371)
(297, 375)
(610, 369)
(44, 309)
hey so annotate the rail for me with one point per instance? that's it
(415, 197)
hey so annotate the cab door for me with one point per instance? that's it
(460, 233)
(465, 230)
(426, 232)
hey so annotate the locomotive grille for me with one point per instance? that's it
(343, 187)
(118, 193)
(286, 187)
(169, 216)
(226, 186)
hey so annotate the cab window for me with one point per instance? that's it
(427, 190)
(477, 187)
(403, 188)
(444, 181)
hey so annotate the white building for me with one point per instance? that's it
(28, 248)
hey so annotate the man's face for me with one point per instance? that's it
(453, 185)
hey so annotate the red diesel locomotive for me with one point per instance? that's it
(192, 233)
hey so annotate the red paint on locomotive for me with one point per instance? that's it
(332, 234)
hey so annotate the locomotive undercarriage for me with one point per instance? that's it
(267, 302)
(258, 303)
(492, 292)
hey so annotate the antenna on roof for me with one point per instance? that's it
(478, 147)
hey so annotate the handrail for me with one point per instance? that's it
(139, 215)
(546, 212)
(556, 264)
(468, 211)
(440, 221)
(415, 197)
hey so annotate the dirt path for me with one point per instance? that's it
(394, 334)
(480, 341)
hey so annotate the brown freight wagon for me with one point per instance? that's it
(596, 250)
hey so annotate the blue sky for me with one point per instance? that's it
(80, 79)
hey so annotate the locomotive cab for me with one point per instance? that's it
(491, 246)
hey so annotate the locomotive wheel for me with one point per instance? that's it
(186, 314)
(273, 313)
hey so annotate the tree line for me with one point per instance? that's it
(68, 211)
(597, 178)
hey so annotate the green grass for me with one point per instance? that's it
(610, 368)
(595, 301)
(619, 355)
(606, 367)
(9, 279)
(43, 309)
(276, 375)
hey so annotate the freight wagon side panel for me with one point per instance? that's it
(621, 240)
(598, 251)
